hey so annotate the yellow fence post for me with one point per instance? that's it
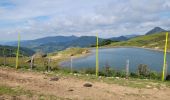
(165, 51)
(17, 53)
(97, 55)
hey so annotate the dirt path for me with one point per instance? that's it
(72, 88)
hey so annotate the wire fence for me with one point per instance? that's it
(8, 58)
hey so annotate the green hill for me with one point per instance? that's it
(155, 41)
(10, 51)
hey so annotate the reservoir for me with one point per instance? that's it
(116, 58)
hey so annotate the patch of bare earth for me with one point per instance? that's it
(72, 88)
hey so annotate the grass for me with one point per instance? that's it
(17, 92)
(155, 41)
(130, 82)
(14, 91)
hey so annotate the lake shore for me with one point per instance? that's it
(135, 47)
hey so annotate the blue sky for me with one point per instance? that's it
(39, 18)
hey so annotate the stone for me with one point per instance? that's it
(54, 79)
(87, 85)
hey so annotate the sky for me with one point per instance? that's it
(109, 18)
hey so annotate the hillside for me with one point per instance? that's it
(155, 41)
(11, 51)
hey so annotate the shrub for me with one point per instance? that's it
(134, 75)
(90, 71)
(154, 75)
(168, 77)
(143, 70)
(121, 74)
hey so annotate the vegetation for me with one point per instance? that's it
(40, 63)
(155, 41)
(71, 52)
(10, 51)
(15, 92)
(105, 42)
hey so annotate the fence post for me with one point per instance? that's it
(166, 70)
(49, 67)
(4, 57)
(71, 63)
(127, 68)
(32, 62)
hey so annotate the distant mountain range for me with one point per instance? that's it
(57, 43)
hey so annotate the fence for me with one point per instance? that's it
(8, 58)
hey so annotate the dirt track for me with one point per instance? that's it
(72, 88)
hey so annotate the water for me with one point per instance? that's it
(116, 58)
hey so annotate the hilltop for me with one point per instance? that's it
(155, 30)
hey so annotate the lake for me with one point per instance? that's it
(116, 58)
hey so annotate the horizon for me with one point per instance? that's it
(34, 20)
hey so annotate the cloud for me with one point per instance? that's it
(38, 18)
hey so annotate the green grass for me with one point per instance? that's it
(69, 52)
(14, 91)
(18, 91)
(148, 41)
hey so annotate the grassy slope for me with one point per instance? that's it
(11, 51)
(155, 41)
(70, 51)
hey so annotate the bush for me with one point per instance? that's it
(120, 74)
(111, 73)
(89, 71)
(143, 70)
(154, 75)
(134, 75)
(168, 77)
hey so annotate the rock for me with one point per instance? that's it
(54, 79)
(87, 85)
(148, 86)
(85, 52)
(100, 77)
(70, 90)
(155, 88)
(117, 77)
(75, 74)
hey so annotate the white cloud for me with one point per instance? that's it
(38, 18)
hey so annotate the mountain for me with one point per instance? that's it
(121, 38)
(83, 41)
(155, 30)
(11, 51)
(131, 36)
(155, 41)
(57, 43)
(41, 41)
